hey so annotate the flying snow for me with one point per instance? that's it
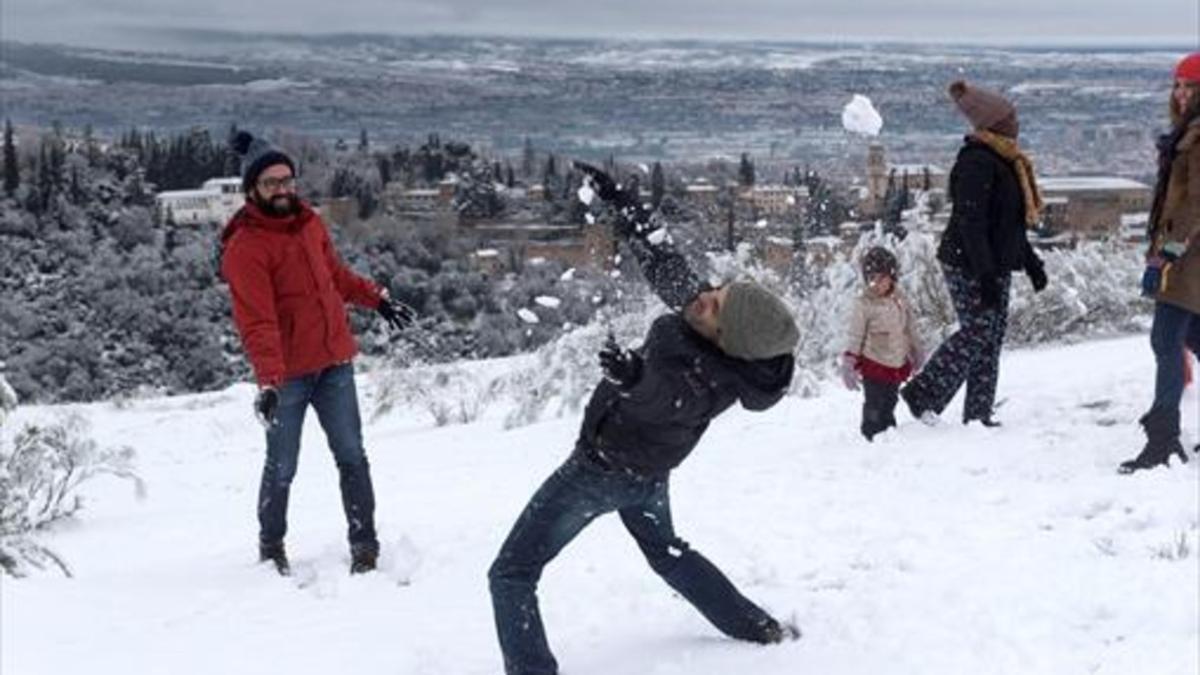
(586, 194)
(527, 315)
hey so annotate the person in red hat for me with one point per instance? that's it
(289, 292)
(1172, 276)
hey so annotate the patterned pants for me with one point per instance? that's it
(972, 354)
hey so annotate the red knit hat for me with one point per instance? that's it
(1189, 68)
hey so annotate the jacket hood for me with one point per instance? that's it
(764, 381)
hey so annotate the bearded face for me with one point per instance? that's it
(275, 191)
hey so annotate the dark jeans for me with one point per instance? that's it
(574, 495)
(331, 393)
(1174, 329)
(971, 354)
(879, 406)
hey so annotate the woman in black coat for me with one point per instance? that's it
(996, 201)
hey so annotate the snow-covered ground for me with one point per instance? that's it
(933, 550)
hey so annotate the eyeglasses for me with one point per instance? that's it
(270, 184)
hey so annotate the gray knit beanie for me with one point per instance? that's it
(984, 108)
(755, 323)
(256, 155)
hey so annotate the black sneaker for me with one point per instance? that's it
(988, 422)
(363, 559)
(277, 556)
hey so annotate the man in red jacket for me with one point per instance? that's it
(289, 290)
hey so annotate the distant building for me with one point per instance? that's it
(506, 244)
(215, 202)
(405, 200)
(913, 176)
(776, 200)
(701, 194)
(1088, 207)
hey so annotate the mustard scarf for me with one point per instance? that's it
(1007, 148)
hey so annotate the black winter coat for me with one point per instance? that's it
(986, 235)
(686, 381)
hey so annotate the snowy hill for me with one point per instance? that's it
(933, 550)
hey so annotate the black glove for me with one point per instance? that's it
(398, 315)
(989, 291)
(605, 187)
(621, 366)
(266, 404)
(1037, 274)
(632, 219)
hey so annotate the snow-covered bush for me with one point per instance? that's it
(41, 470)
(1093, 289)
(450, 393)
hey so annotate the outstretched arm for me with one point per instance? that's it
(665, 268)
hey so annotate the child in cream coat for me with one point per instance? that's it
(883, 348)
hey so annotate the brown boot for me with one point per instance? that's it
(363, 559)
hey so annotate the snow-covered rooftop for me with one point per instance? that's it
(1088, 183)
(170, 195)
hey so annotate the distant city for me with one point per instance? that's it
(1083, 111)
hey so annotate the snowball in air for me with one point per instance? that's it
(547, 301)
(527, 315)
(860, 117)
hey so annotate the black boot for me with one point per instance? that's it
(1162, 441)
(363, 558)
(278, 557)
(774, 632)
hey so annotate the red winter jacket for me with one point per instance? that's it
(289, 291)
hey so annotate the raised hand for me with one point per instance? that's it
(603, 184)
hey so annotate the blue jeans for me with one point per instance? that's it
(1174, 329)
(574, 495)
(331, 393)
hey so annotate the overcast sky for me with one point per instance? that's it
(106, 22)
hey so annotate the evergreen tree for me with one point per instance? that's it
(550, 180)
(746, 171)
(363, 143)
(385, 169)
(658, 185)
(12, 173)
(528, 159)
